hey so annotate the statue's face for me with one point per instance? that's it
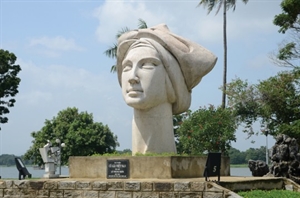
(143, 78)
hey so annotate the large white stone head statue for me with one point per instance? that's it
(157, 71)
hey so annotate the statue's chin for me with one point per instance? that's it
(144, 103)
(137, 105)
(140, 104)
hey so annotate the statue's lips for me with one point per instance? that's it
(134, 91)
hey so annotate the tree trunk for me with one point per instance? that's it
(225, 56)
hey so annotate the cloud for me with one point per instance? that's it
(63, 86)
(47, 89)
(36, 97)
(56, 43)
(61, 77)
(194, 23)
(115, 15)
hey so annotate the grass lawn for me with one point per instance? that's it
(269, 194)
(239, 165)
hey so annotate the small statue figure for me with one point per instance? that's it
(50, 156)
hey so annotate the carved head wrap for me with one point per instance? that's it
(186, 62)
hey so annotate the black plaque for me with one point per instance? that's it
(118, 169)
(213, 165)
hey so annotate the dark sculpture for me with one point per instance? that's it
(285, 158)
(258, 168)
(23, 172)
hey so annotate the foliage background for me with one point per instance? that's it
(206, 129)
(9, 82)
(82, 136)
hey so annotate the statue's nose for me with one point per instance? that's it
(133, 76)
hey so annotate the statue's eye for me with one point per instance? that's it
(148, 65)
(127, 67)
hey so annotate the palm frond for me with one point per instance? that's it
(113, 69)
(230, 4)
(122, 31)
(220, 5)
(112, 52)
(210, 4)
(142, 24)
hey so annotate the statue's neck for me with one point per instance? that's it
(152, 130)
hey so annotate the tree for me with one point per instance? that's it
(227, 4)
(288, 54)
(273, 102)
(290, 16)
(9, 82)
(82, 136)
(244, 99)
(255, 154)
(125, 151)
(236, 156)
(112, 51)
(177, 121)
(7, 160)
(207, 129)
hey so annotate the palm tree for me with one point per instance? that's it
(112, 51)
(211, 4)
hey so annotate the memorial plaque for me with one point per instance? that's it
(118, 169)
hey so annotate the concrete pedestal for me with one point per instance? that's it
(143, 167)
(50, 168)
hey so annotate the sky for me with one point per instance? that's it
(60, 47)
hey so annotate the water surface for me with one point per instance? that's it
(13, 173)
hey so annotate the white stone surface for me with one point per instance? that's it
(49, 159)
(157, 71)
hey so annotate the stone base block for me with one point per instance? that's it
(144, 167)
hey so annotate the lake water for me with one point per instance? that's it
(240, 172)
(13, 173)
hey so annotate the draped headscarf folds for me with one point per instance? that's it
(185, 62)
